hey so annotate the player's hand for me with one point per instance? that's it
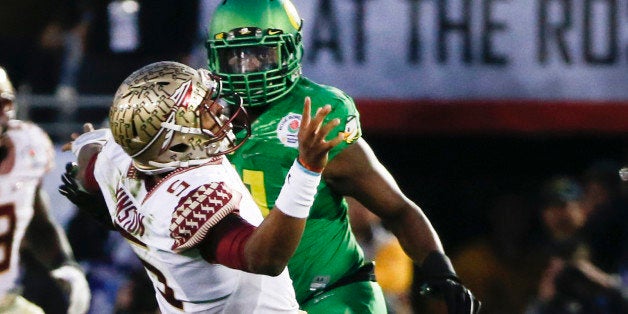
(87, 127)
(313, 148)
(93, 204)
(438, 279)
(79, 293)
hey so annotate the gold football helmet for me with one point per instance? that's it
(6, 88)
(7, 97)
(167, 115)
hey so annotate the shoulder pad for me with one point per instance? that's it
(199, 211)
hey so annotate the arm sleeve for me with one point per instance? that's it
(90, 184)
(225, 243)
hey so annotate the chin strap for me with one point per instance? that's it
(173, 165)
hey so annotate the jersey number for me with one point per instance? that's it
(7, 228)
(167, 293)
(255, 180)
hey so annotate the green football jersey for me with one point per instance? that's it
(328, 250)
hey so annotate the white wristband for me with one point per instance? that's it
(298, 191)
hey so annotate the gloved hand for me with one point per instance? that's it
(79, 293)
(438, 278)
(93, 204)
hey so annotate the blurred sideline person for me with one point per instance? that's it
(26, 155)
(256, 47)
(571, 282)
(606, 208)
(173, 195)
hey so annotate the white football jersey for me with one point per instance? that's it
(29, 158)
(187, 202)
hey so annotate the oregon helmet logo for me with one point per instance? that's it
(293, 15)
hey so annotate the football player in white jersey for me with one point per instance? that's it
(172, 193)
(26, 155)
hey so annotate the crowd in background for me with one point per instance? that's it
(563, 251)
(90, 46)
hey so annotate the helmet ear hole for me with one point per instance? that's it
(179, 148)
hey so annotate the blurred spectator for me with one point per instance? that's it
(72, 59)
(32, 39)
(571, 283)
(393, 268)
(607, 215)
(122, 35)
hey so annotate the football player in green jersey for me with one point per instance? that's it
(256, 47)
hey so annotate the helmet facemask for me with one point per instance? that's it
(248, 30)
(260, 65)
(219, 124)
(168, 116)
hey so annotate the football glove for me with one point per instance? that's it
(437, 278)
(93, 204)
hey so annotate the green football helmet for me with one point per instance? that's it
(255, 46)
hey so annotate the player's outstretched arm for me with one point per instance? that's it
(357, 172)
(275, 240)
(73, 186)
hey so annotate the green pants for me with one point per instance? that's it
(358, 297)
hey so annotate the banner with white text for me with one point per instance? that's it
(469, 49)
